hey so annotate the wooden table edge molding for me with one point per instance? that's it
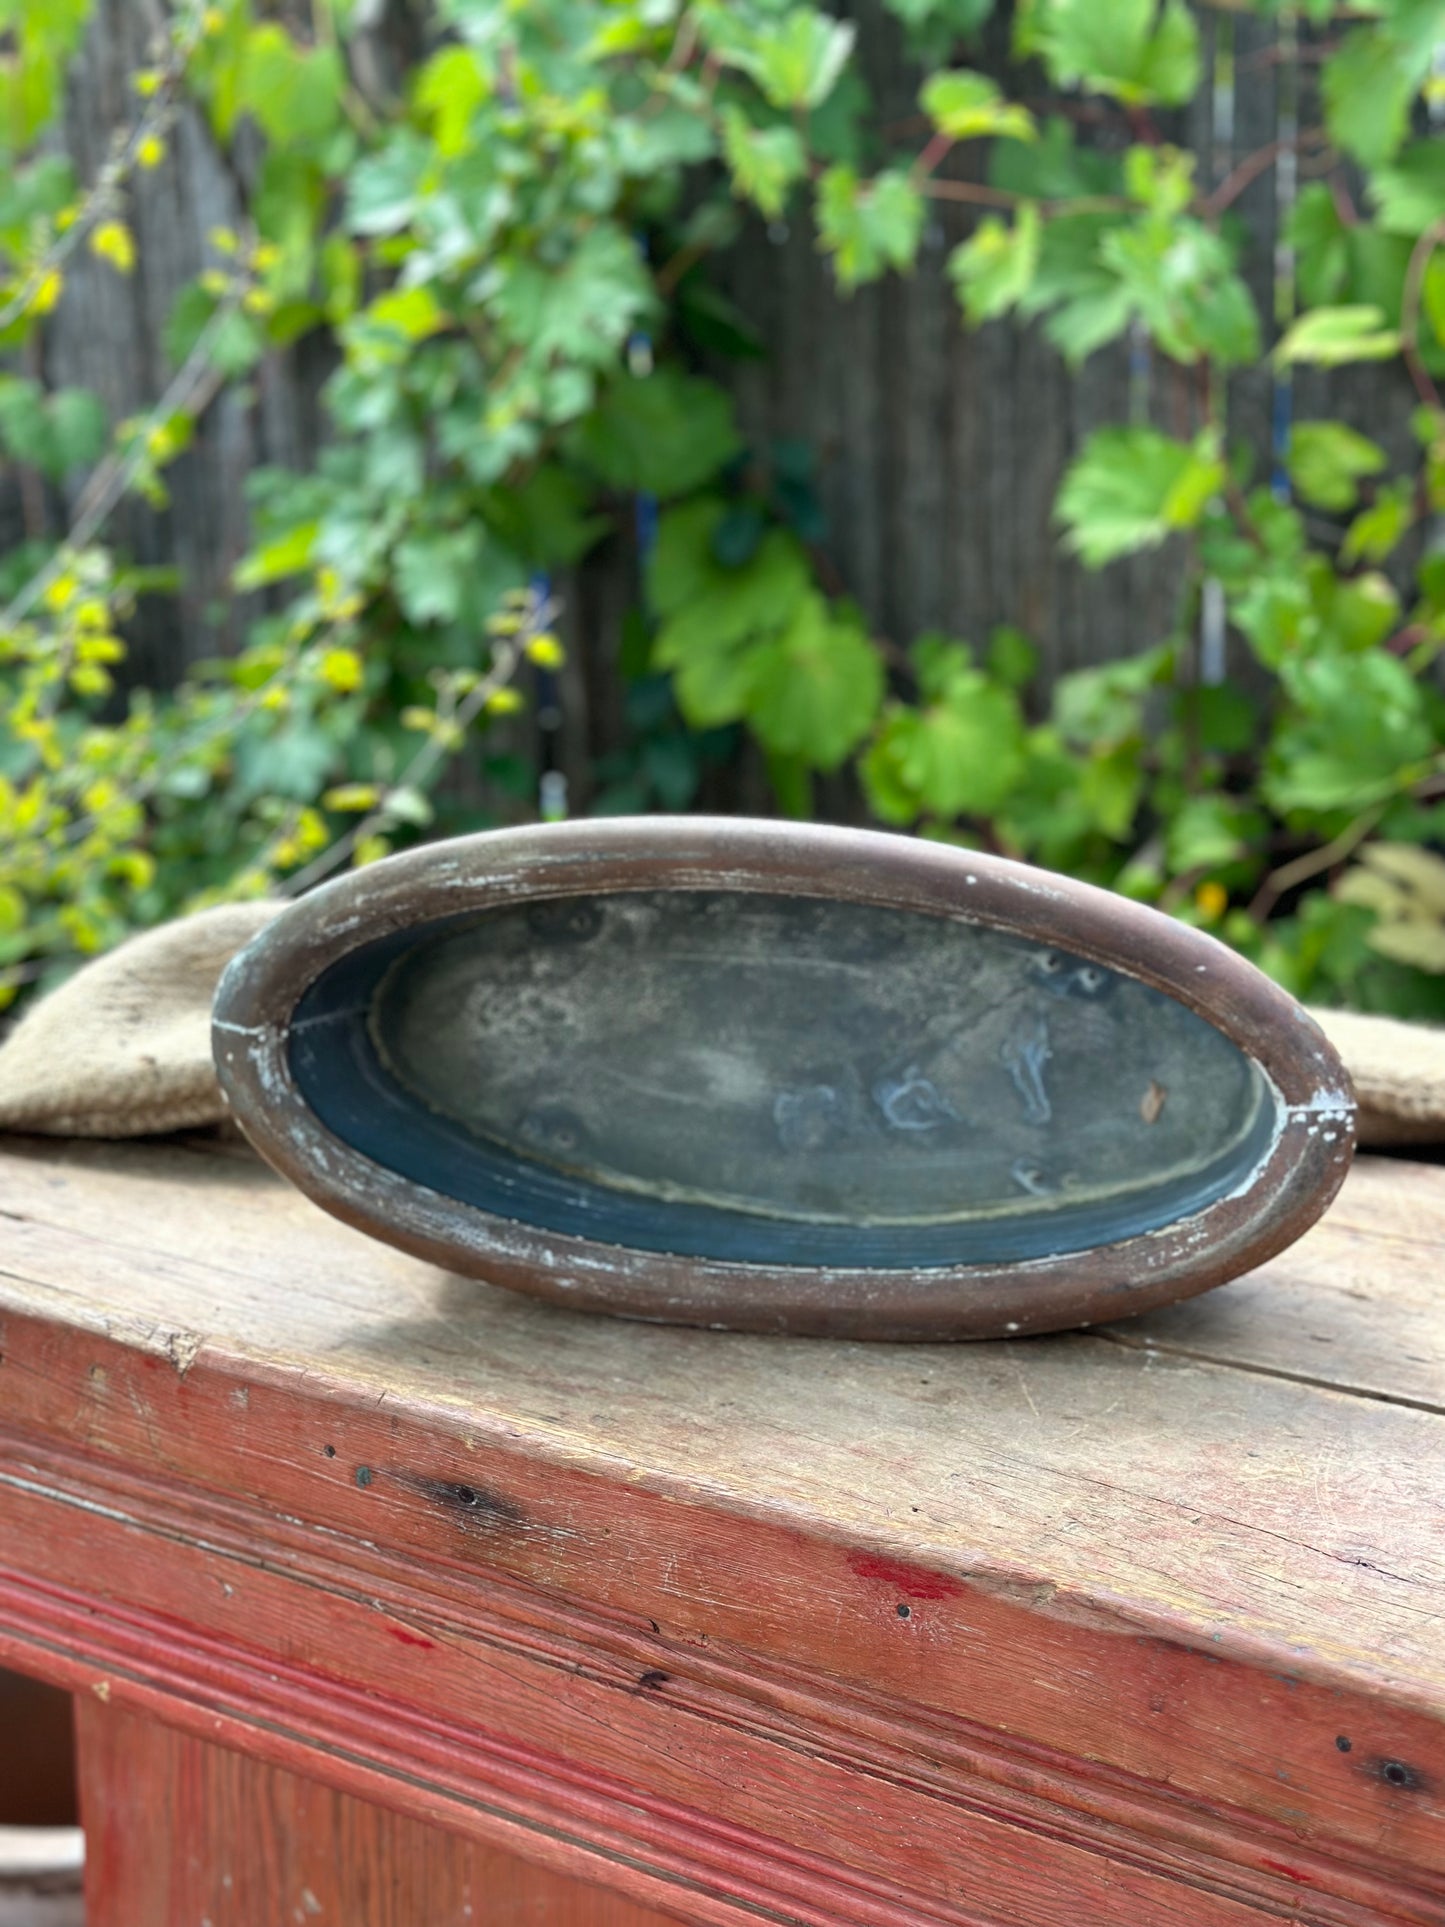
(622, 1613)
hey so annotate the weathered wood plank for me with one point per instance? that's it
(1355, 1305)
(1154, 1593)
(245, 1842)
(1034, 1461)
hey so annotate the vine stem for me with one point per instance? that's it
(938, 146)
(196, 381)
(1420, 256)
(1253, 165)
(422, 767)
(115, 171)
(949, 190)
(1302, 868)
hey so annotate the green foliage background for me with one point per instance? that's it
(511, 255)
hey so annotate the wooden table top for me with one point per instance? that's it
(1200, 1553)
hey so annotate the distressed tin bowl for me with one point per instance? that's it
(777, 1077)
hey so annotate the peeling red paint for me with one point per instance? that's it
(912, 1580)
(1290, 1873)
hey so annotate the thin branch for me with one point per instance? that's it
(931, 155)
(1252, 166)
(1288, 875)
(678, 264)
(1410, 313)
(976, 191)
(422, 766)
(116, 170)
(973, 191)
(1239, 509)
(196, 381)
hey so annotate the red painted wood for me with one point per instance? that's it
(180, 1832)
(1066, 1632)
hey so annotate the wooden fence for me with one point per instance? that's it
(939, 450)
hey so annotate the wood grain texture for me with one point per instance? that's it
(245, 1844)
(1085, 1616)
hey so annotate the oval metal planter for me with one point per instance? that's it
(784, 1078)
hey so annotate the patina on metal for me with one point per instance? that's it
(781, 1077)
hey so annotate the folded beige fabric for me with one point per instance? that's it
(123, 1048)
(1399, 1075)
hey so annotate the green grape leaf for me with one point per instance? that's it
(1379, 528)
(666, 433)
(1208, 832)
(1086, 303)
(814, 690)
(1356, 732)
(1131, 488)
(956, 19)
(289, 553)
(293, 92)
(1330, 337)
(686, 580)
(582, 310)
(1410, 193)
(868, 226)
(1369, 84)
(1012, 658)
(673, 136)
(797, 62)
(1355, 611)
(713, 686)
(1322, 246)
(994, 268)
(1052, 166)
(433, 571)
(1102, 707)
(78, 429)
(1137, 50)
(385, 188)
(447, 92)
(958, 756)
(1111, 784)
(969, 106)
(546, 517)
(766, 162)
(24, 429)
(1179, 278)
(1326, 462)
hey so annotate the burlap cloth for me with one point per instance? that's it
(123, 1049)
